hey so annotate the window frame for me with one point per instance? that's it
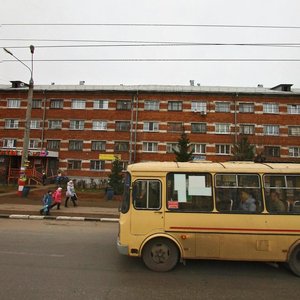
(51, 147)
(151, 105)
(75, 145)
(9, 143)
(174, 105)
(56, 104)
(76, 125)
(146, 207)
(78, 104)
(11, 124)
(270, 108)
(104, 106)
(222, 106)
(52, 122)
(96, 148)
(13, 103)
(150, 147)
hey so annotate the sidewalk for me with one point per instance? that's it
(13, 206)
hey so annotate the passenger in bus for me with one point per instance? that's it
(247, 202)
(276, 205)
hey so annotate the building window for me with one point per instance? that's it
(247, 129)
(223, 128)
(13, 103)
(222, 107)
(199, 148)
(246, 107)
(11, 124)
(56, 103)
(74, 164)
(171, 147)
(150, 147)
(271, 129)
(99, 125)
(98, 145)
(123, 105)
(36, 103)
(76, 124)
(75, 145)
(222, 149)
(97, 165)
(198, 127)
(55, 124)
(78, 104)
(121, 146)
(175, 127)
(198, 106)
(271, 108)
(294, 130)
(272, 151)
(294, 151)
(150, 126)
(35, 124)
(122, 126)
(9, 143)
(53, 145)
(175, 105)
(293, 109)
(100, 104)
(151, 105)
(34, 144)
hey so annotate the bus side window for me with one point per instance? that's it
(147, 194)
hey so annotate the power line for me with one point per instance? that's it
(166, 60)
(165, 44)
(154, 25)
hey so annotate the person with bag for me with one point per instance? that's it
(71, 194)
(57, 195)
(47, 201)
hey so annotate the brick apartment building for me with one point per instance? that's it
(79, 128)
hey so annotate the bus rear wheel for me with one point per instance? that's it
(294, 261)
(160, 255)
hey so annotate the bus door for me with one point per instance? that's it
(147, 214)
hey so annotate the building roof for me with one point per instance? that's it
(157, 89)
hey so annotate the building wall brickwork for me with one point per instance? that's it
(282, 146)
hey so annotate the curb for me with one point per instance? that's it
(58, 218)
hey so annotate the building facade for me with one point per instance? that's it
(79, 129)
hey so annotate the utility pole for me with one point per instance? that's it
(24, 158)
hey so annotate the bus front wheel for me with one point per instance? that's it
(160, 255)
(294, 261)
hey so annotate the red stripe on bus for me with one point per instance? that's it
(236, 229)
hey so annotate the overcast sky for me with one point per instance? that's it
(279, 21)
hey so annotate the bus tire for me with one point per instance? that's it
(160, 255)
(294, 261)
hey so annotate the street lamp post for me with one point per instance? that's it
(24, 158)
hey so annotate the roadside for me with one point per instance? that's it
(91, 204)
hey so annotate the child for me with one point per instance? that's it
(57, 195)
(47, 200)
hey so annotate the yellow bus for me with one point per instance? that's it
(248, 211)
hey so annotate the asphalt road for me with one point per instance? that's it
(79, 260)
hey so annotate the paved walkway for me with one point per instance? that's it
(79, 212)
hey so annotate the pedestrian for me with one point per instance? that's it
(59, 179)
(57, 195)
(47, 201)
(44, 177)
(70, 194)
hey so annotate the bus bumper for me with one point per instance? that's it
(123, 249)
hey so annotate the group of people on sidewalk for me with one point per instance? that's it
(52, 199)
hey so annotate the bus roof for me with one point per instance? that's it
(208, 166)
